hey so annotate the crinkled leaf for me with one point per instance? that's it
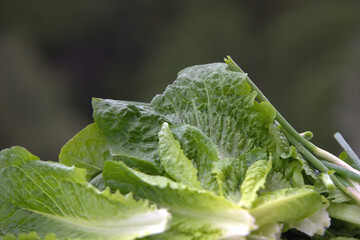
(173, 159)
(285, 173)
(220, 175)
(132, 131)
(88, 149)
(218, 101)
(254, 180)
(198, 209)
(229, 174)
(255, 155)
(47, 197)
(286, 205)
(200, 150)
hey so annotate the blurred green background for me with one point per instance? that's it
(56, 55)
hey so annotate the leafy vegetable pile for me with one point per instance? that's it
(210, 158)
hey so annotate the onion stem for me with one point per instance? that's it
(342, 171)
(340, 139)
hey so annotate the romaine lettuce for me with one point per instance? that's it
(209, 158)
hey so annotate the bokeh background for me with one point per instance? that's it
(56, 55)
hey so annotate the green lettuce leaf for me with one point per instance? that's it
(286, 205)
(193, 209)
(47, 197)
(132, 132)
(222, 176)
(287, 173)
(88, 149)
(254, 180)
(229, 174)
(29, 236)
(219, 102)
(202, 152)
(173, 159)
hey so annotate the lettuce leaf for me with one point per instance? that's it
(194, 209)
(201, 151)
(47, 197)
(254, 180)
(222, 176)
(88, 149)
(219, 102)
(286, 205)
(229, 174)
(173, 159)
(132, 132)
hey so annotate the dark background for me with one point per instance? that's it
(56, 55)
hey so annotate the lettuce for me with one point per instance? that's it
(173, 159)
(209, 158)
(47, 197)
(198, 210)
